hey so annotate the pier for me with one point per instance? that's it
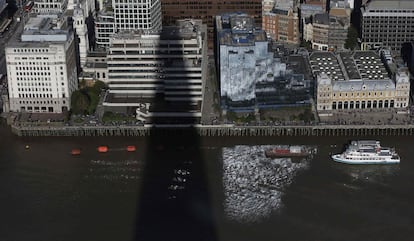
(217, 130)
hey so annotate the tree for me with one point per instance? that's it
(352, 38)
(94, 100)
(98, 86)
(80, 102)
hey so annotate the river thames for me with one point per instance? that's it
(185, 188)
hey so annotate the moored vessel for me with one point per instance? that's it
(367, 152)
(289, 151)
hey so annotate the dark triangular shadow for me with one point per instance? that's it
(174, 201)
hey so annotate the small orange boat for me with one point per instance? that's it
(102, 149)
(131, 148)
(75, 152)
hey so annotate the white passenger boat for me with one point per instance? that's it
(367, 152)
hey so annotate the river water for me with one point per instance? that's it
(185, 188)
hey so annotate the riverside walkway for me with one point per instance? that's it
(218, 130)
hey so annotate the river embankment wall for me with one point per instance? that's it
(217, 130)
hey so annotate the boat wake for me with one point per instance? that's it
(253, 183)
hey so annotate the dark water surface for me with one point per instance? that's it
(47, 194)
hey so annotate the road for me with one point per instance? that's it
(6, 37)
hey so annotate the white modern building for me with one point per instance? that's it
(132, 15)
(165, 66)
(122, 15)
(41, 67)
(387, 24)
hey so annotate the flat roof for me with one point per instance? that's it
(391, 4)
(326, 62)
(369, 65)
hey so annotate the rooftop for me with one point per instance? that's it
(41, 31)
(352, 66)
(369, 65)
(321, 18)
(326, 62)
(394, 4)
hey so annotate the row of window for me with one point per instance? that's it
(33, 68)
(35, 89)
(36, 84)
(30, 50)
(35, 96)
(34, 63)
(36, 108)
(363, 104)
(35, 73)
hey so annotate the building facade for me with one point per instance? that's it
(170, 65)
(326, 31)
(41, 68)
(357, 80)
(320, 32)
(387, 24)
(206, 10)
(122, 16)
(132, 15)
(282, 25)
(104, 28)
(249, 73)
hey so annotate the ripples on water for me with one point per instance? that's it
(253, 183)
(123, 173)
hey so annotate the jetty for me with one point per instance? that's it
(217, 130)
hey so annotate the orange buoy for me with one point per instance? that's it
(75, 152)
(102, 149)
(131, 148)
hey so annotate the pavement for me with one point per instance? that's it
(209, 114)
(368, 117)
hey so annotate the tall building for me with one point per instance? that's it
(41, 67)
(170, 64)
(206, 10)
(132, 15)
(357, 80)
(387, 24)
(119, 15)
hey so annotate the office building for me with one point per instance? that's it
(249, 73)
(158, 74)
(387, 24)
(132, 15)
(41, 67)
(282, 24)
(123, 16)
